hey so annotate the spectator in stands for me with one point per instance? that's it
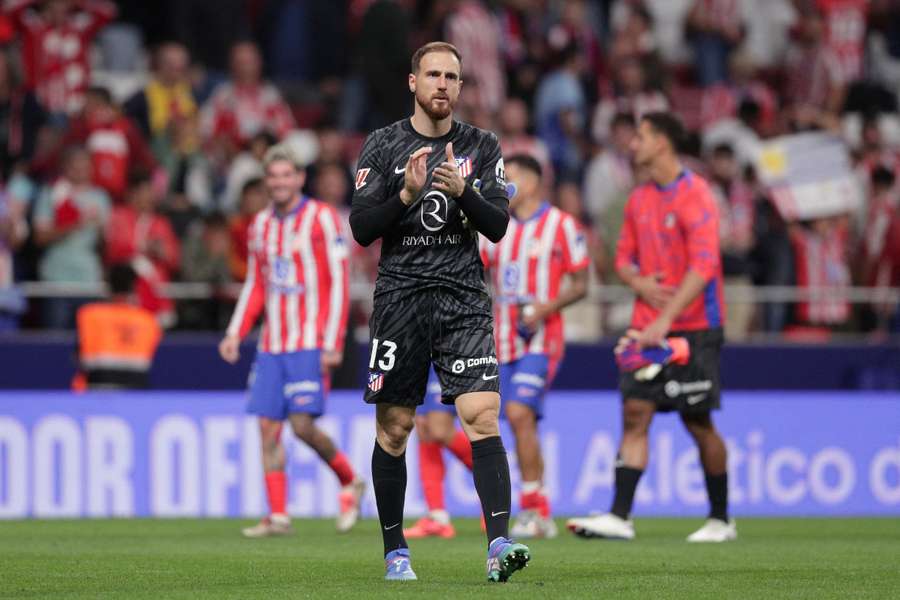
(253, 200)
(516, 139)
(715, 27)
(472, 29)
(117, 339)
(631, 95)
(246, 166)
(609, 178)
(560, 111)
(633, 37)
(115, 144)
(56, 38)
(246, 104)
(13, 231)
(736, 212)
(69, 221)
(815, 82)
(878, 263)
(167, 97)
(820, 252)
(205, 259)
(139, 235)
(21, 117)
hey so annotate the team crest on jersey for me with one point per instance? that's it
(464, 164)
(376, 381)
(361, 175)
(669, 220)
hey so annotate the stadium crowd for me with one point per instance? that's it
(133, 132)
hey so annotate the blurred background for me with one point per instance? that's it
(132, 132)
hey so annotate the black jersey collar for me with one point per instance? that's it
(408, 127)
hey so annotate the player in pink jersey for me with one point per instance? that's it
(543, 246)
(668, 253)
(297, 274)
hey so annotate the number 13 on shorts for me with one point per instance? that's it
(388, 357)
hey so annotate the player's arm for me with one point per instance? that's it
(101, 12)
(486, 209)
(373, 212)
(648, 287)
(338, 291)
(249, 306)
(698, 218)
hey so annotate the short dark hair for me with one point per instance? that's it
(668, 125)
(215, 219)
(139, 177)
(253, 182)
(434, 47)
(101, 93)
(723, 150)
(622, 118)
(121, 279)
(527, 162)
(882, 177)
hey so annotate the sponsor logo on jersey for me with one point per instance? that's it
(458, 366)
(434, 211)
(510, 279)
(361, 175)
(432, 240)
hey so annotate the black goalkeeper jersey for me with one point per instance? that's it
(434, 241)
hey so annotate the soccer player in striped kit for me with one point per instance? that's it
(543, 246)
(297, 274)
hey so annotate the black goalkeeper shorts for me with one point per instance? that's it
(691, 388)
(450, 328)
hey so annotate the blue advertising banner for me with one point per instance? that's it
(181, 454)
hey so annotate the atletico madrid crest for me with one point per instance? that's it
(464, 164)
(376, 381)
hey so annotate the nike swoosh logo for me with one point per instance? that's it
(497, 514)
(695, 398)
(486, 378)
(392, 526)
(400, 170)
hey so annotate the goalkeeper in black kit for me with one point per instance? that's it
(427, 186)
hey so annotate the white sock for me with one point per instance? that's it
(441, 516)
(530, 487)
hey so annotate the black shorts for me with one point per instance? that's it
(452, 329)
(691, 388)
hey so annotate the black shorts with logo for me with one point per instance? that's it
(691, 388)
(451, 328)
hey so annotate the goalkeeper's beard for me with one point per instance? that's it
(435, 113)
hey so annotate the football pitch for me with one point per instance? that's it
(773, 558)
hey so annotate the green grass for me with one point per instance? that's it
(774, 558)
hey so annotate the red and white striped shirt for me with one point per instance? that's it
(527, 266)
(821, 262)
(240, 112)
(297, 272)
(56, 58)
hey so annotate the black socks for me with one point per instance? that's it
(626, 483)
(490, 469)
(717, 488)
(389, 481)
